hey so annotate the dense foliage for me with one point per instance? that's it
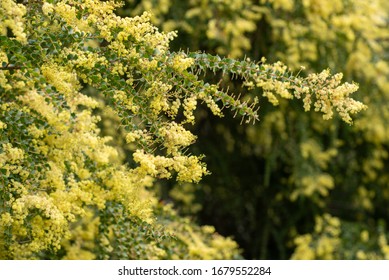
(97, 111)
(293, 185)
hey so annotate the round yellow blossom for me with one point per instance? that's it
(181, 62)
(303, 251)
(361, 255)
(175, 137)
(189, 106)
(3, 125)
(365, 236)
(13, 18)
(6, 219)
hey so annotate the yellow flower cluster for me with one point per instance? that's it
(314, 182)
(59, 197)
(286, 5)
(224, 21)
(326, 242)
(11, 161)
(181, 62)
(158, 93)
(188, 168)
(323, 90)
(374, 162)
(68, 85)
(2, 125)
(311, 149)
(206, 96)
(175, 137)
(190, 105)
(383, 243)
(127, 100)
(11, 154)
(230, 30)
(3, 80)
(138, 135)
(36, 102)
(213, 247)
(82, 238)
(86, 60)
(330, 94)
(323, 243)
(12, 17)
(364, 198)
(317, 183)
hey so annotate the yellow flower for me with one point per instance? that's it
(2, 125)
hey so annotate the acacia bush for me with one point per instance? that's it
(307, 188)
(72, 68)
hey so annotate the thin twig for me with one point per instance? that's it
(10, 67)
